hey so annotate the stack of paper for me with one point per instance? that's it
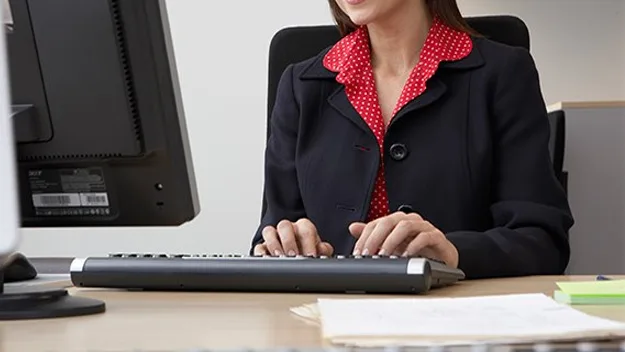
(454, 321)
(591, 292)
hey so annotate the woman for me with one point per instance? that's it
(412, 136)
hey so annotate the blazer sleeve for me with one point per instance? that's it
(281, 189)
(530, 210)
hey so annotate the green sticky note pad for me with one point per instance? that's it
(565, 298)
(606, 288)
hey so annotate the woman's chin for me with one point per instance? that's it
(360, 20)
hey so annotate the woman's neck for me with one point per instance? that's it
(397, 41)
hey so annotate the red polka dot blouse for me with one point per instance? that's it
(351, 59)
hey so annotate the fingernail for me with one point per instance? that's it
(277, 252)
(356, 252)
(405, 254)
(382, 252)
(365, 252)
(291, 253)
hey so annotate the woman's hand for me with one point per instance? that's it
(403, 234)
(292, 238)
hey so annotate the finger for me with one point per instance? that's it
(370, 227)
(401, 249)
(430, 253)
(414, 216)
(355, 229)
(261, 249)
(426, 240)
(307, 237)
(374, 241)
(362, 239)
(402, 233)
(324, 248)
(272, 242)
(405, 231)
(286, 233)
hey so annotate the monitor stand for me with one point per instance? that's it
(28, 302)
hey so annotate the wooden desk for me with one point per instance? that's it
(138, 321)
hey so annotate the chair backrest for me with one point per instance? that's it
(557, 145)
(294, 44)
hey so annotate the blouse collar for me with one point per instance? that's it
(350, 55)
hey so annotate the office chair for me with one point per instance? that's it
(556, 145)
(294, 44)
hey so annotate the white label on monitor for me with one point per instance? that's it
(94, 199)
(69, 192)
(55, 200)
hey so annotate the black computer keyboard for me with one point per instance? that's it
(218, 272)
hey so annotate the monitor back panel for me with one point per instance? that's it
(110, 144)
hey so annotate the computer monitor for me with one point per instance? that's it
(99, 121)
(97, 117)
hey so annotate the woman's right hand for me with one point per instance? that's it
(293, 238)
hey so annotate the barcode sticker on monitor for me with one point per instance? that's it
(56, 200)
(94, 199)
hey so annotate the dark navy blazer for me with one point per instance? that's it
(470, 155)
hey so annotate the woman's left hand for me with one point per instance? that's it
(403, 234)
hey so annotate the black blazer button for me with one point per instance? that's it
(398, 151)
(405, 209)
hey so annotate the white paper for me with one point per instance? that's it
(508, 317)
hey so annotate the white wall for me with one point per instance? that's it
(221, 49)
(578, 45)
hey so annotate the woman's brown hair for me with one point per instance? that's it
(446, 10)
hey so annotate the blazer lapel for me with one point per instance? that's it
(339, 101)
(338, 98)
(435, 90)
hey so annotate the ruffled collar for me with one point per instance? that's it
(351, 55)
